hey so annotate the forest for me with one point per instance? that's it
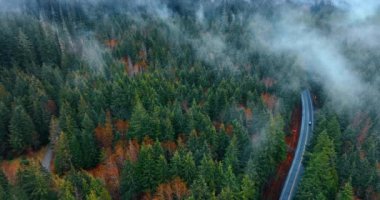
(175, 99)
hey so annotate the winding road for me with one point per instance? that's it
(47, 158)
(294, 175)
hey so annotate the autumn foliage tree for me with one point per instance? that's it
(104, 134)
(175, 189)
(177, 119)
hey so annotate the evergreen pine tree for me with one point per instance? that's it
(62, 159)
(230, 180)
(139, 119)
(3, 194)
(227, 194)
(199, 189)
(178, 119)
(320, 174)
(4, 186)
(333, 129)
(129, 181)
(66, 191)
(76, 152)
(34, 182)
(161, 167)
(145, 169)
(21, 130)
(232, 155)
(188, 168)
(90, 151)
(276, 139)
(346, 193)
(4, 135)
(207, 170)
(243, 143)
(25, 54)
(248, 186)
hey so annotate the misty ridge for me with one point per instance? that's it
(290, 28)
(333, 43)
(336, 51)
(189, 99)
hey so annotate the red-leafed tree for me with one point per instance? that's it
(104, 134)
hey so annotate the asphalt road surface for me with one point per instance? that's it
(290, 187)
(47, 158)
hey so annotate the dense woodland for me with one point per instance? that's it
(136, 108)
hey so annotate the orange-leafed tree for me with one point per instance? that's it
(179, 188)
(51, 106)
(133, 150)
(120, 152)
(164, 192)
(148, 141)
(175, 189)
(104, 134)
(170, 146)
(146, 196)
(122, 126)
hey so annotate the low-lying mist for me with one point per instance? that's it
(320, 37)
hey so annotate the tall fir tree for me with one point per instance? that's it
(200, 189)
(21, 130)
(4, 134)
(129, 181)
(62, 159)
(333, 129)
(248, 187)
(90, 150)
(346, 192)
(139, 119)
(146, 169)
(231, 158)
(320, 176)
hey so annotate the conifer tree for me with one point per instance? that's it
(62, 159)
(346, 192)
(188, 168)
(161, 171)
(21, 130)
(207, 170)
(333, 129)
(247, 188)
(34, 182)
(199, 189)
(230, 180)
(139, 119)
(89, 149)
(3, 194)
(4, 186)
(145, 169)
(66, 191)
(178, 119)
(129, 181)
(232, 155)
(320, 174)
(25, 54)
(75, 150)
(4, 134)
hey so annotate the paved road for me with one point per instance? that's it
(295, 172)
(47, 158)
